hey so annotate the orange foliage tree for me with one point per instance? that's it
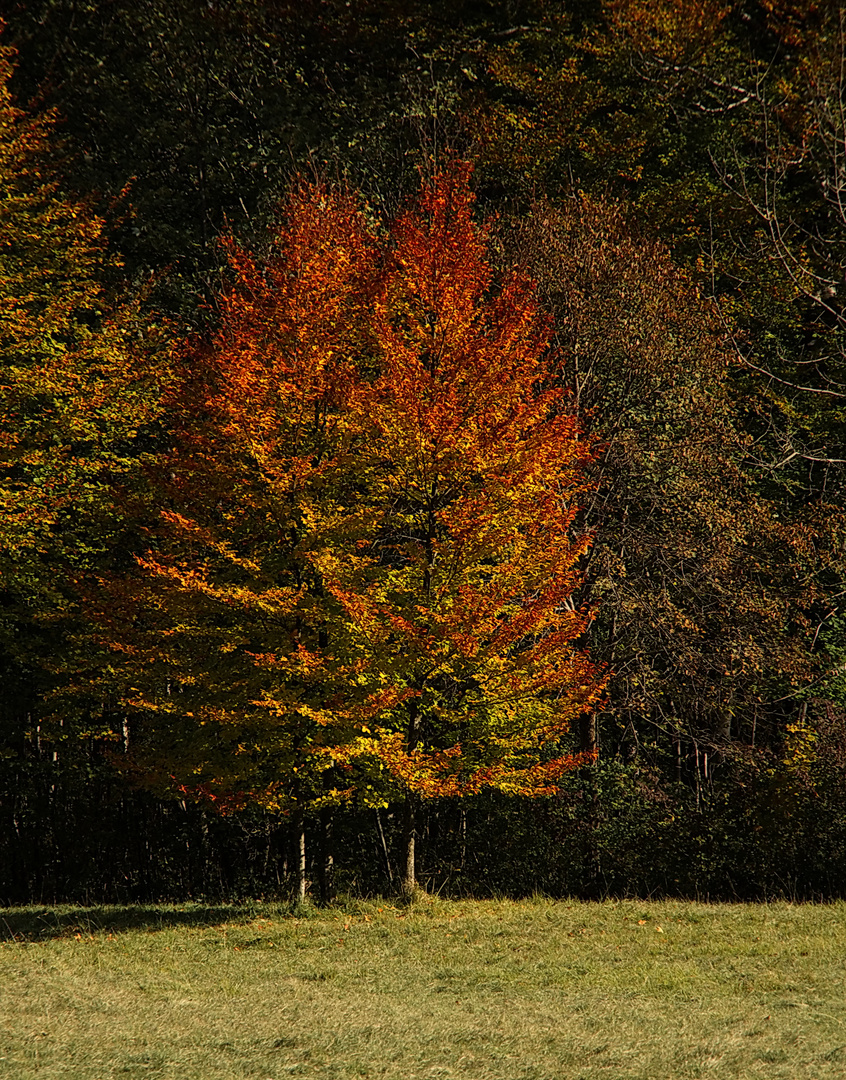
(221, 636)
(363, 582)
(458, 594)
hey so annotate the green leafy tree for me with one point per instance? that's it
(202, 112)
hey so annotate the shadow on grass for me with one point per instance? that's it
(45, 923)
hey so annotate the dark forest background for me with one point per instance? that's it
(673, 175)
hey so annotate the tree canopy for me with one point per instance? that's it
(380, 381)
(361, 584)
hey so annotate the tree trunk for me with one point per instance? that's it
(327, 859)
(587, 733)
(385, 852)
(409, 879)
(677, 758)
(301, 861)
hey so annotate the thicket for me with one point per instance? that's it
(664, 181)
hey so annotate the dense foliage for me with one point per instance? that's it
(339, 475)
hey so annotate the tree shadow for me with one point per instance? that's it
(32, 924)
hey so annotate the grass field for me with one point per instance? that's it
(485, 990)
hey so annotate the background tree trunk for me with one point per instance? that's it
(327, 858)
(302, 883)
(409, 878)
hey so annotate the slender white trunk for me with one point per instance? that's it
(409, 878)
(301, 862)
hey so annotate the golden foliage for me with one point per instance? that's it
(365, 580)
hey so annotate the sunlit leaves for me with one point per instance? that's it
(472, 468)
(364, 577)
(79, 390)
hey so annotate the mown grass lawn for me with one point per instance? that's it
(488, 989)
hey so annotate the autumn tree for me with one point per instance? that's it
(228, 675)
(458, 595)
(786, 170)
(704, 588)
(363, 582)
(77, 386)
(771, 255)
(79, 406)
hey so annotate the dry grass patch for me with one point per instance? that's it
(490, 990)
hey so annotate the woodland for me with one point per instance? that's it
(423, 444)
